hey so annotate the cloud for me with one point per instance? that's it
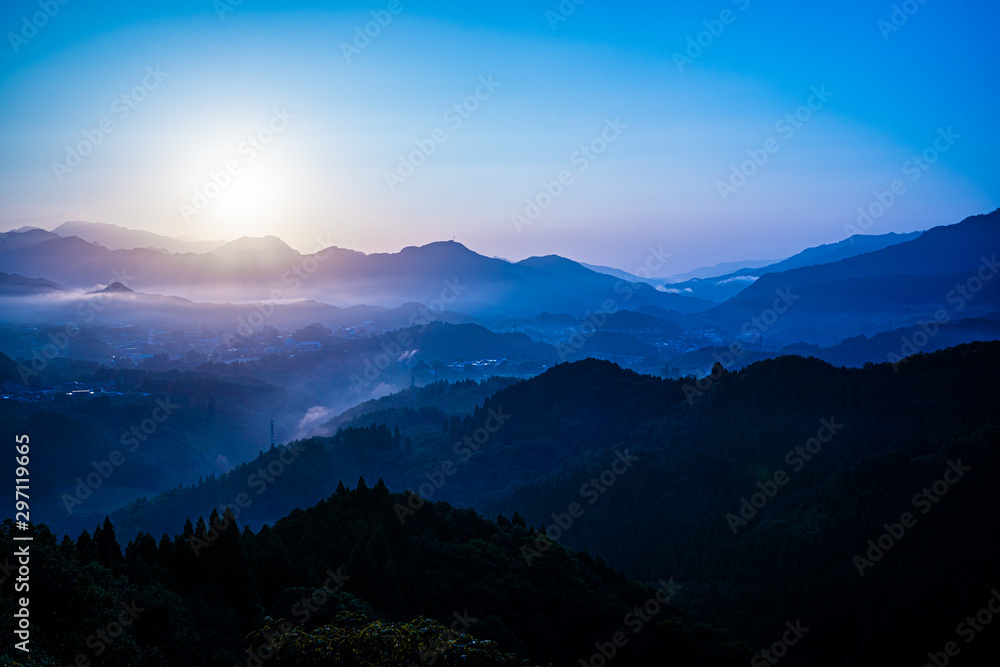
(314, 416)
(223, 464)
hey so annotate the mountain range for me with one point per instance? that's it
(691, 457)
(752, 447)
(438, 274)
(945, 274)
(862, 286)
(723, 281)
(116, 237)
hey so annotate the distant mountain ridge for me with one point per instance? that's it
(878, 281)
(722, 269)
(443, 275)
(726, 280)
(945, 249)
(116, 237)
(928, 277)
(727, 285)
(18, 285)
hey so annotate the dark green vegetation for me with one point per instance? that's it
(794, 557)
(351, 582)
(167, 427)
(218, 415)
(699, 453)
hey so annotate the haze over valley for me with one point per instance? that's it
(405, 334)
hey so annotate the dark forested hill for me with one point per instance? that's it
(345, 583)
(766, 493)
(757, 489)
(892, 345)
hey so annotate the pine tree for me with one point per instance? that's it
(106, 547)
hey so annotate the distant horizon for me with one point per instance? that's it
(584, 130)
(301, 249)
(691, 297)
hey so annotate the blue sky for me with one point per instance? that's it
(330, 129)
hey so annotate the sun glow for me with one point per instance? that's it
(244, 199)
(248, 205)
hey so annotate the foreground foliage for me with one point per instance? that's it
(354, 641)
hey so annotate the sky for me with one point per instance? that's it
(612, 133)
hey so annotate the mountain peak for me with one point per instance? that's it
(558, 264)
(115, 288)
(71, 227)
(439, 246)
(259, 244)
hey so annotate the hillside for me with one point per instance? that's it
(721, 285)
(14, 285)
(855, 351)
(559, 430)
(947, 271)
(324, 584)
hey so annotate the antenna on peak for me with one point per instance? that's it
(272, 433)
